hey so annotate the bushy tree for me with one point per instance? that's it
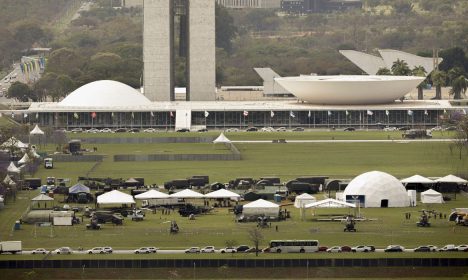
(384, 71)
(438, 78)
(21, 92)
(458, 87)
(400, 68)
(420, 72)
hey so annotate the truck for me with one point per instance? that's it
(11, 247)
(48, 163)
(417, 134)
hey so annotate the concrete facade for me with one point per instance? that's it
(132, 3)
(158, 50)
(239, 4)
(201, 58)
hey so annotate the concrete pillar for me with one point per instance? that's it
(158, 50)
(201, 59)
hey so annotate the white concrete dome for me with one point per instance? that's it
(379, 189)
(105, 93)
(349, 89)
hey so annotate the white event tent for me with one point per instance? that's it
(152, 194)
(115, 197)
(36, 131)
(261, 207)
(25, 159)
(187, 193)
(223, 193)
(417, 179)
(431, 196)
(221, 139)
(13, 169)
(330, 203)
(304, 199)
(13, 142)
(451, 179)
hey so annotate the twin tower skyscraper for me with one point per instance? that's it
(196, 43)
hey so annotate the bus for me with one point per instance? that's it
(294, 246)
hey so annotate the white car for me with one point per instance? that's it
(98, 250)
(208, 249)
(281, 129)
(334, 249)
(228, 250)
(142, 250)
(93, 130)
(390, 128)
(63, 251)
(107, 130)
(232, 130)
(433, 248)
(153, 249)
(192, 250)
(363, 248)
(150, 130)
(39, 251)
(463, 248)
(76, 130)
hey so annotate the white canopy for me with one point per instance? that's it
(330, 203)
(222, 193)
(151, 194)
(13, 142)
(417, 179)
(8, 180)
(187, 193)
(42, 197)
(13, 169)
(115, 197)
(36, 131)
(431, 196)
(25, 159)
(221, 139)
(304, 199)
(261, 207)
(451, 179)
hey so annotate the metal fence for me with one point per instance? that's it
(145, 140)
(77, 158)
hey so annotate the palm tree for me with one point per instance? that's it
(458, 87)
(420, 72)
(400, 68)
(384, 71)
(438, 80)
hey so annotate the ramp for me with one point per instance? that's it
(183, 119)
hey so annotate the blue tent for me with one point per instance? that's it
(78, 188)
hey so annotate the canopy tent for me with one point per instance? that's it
(417, 179)
(132, 181)
(115, 197)
(78, 188)
(431, 196)
(221, 139)
(330, 203)
(48, 202)
(13, 169)
(304, 199)
(36, 131)
(187, 193)
(152, 194)
(451, 179)
(261, 207)
(13, 142)
(42, 197)
(8, 180)
(25, 159)
(222, 193)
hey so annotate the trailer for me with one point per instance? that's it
(11, 247)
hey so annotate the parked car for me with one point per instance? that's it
(97, 250)
(243, 249)
(422, 249)
(143, 250)
(39, 251)
(107, 130)
(133, 130)
(281, 129)
(267, 129)
(323, 248)
(433, 248)
(334, 249)
(394, 248)
(108, 250)
(76, 130)
(345, 249)
(228, 250)
(153, 249)
(63, 251)
(93, 130)
(150, 130)
(203, 130)
(208, 249)
(251, 129)
(119, 130)
(232, 130)
(192, 250)
(448, 248)
(463, 248)
(298, 129)
(390, 128)
(350, 129)
(363, 248)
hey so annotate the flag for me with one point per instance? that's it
(291, 113)
(272, 114)
(37, 115)
(329, 113)
(1, 114)
(75, 115)
(133, 115)
(370, 113)
(246, 113)
(171, 114)
(310, 114)
(207, 114)
(464, 111)
(25, 115)
(152, 114)
(112, 114)
(425, 112)
(445, 111)
(387, 112)
(12, 115)
(93, 115)
(347, 113)
(410, 113)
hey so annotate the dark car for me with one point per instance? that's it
(242, 249)
(323, 248)
(394, 248)
(298, 129)
(350, 129)
(120, 130)
(422, 249)
(252, 129)
(345, 249)
(183, 130)
(203, 130)
(134, 130)
(404, 128)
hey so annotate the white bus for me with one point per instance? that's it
(294, 246)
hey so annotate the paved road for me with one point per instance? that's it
(349, 141)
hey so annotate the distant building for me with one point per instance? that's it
(132, 3)
(317, 6)
(258, 4)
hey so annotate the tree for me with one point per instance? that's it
(458, 87)
(384, 71)
(461, 137)
(438, 78)
(454, 73)
(21, 92)
(400, 68)
(403, 6)
(420, 72)
(256, 237)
